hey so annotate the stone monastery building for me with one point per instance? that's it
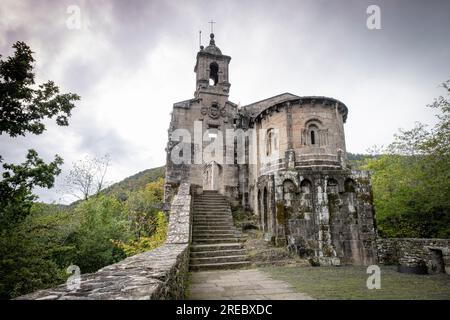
(286, 163)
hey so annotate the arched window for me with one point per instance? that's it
(305, 186)
(271, 141)
(313, 135)
(306, 197)
(349, 185)
(213, 74)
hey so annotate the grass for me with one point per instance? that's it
(350, 283)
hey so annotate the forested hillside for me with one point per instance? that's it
(136, 181)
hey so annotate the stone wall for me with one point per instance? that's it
(324, 215)
(153, 275)
(416, 255)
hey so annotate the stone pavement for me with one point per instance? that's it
(248, 284)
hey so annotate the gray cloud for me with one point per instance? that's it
(132, 59)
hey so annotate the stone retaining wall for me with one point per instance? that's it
(153, 275)
(415, 255)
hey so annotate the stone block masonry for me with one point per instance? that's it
(416, 255)
(154, 275)
(158, 274)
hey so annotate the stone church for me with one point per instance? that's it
(282, 158)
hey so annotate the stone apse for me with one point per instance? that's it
(283, 159)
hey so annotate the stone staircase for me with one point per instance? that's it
(216, 243)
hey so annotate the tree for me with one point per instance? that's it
(37, 253)
(26, 262)
(16, 186)
(410, 180)
(23, 107)
(102, 221)
(143, 207)
(87, 177)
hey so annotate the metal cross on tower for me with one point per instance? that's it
(212, 23)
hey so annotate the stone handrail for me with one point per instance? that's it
(153, 275)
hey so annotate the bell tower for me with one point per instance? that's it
(211, 71)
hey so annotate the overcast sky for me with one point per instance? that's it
(131, 60)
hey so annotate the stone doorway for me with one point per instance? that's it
(437, 261)
(212, 177)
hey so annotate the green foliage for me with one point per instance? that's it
(358, 160)
(16, 186)
(411, 180)
(91, 234)
(31, 245)
(143, 244)
(143, 206)
(35, 252)
(100, 220)
(135, 182)
(23, 107)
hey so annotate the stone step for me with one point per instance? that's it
(211, 207)
(207, 223)
(212, 218)
(228, 226)
(216, 247)
(213, 212)
(228, 229)
(211, 202)
(214, 224)
(219, 259)
(217, 253)
(216, 240)
(201, 235)
(204, 229)
(210, 197)
(207, 228)
(215, 266)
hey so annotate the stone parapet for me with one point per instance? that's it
(158, 274)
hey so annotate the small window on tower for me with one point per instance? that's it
(213, 74)
(313, 136)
